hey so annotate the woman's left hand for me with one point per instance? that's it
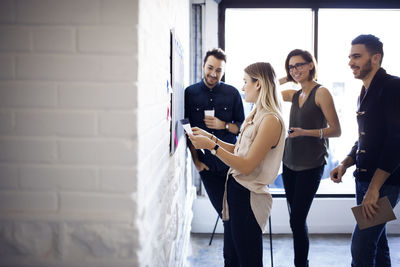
(201, 142)
(294, 132)
(199, 131)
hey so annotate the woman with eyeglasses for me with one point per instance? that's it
(313, 119)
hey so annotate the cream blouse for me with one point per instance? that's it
(263, 175)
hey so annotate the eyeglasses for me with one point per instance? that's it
(297, 66)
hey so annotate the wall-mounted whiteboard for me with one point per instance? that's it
(177, 95)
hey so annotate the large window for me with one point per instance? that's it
(269, 34)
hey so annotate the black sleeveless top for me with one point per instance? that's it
(306, 152)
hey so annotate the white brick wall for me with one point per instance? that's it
(53, 123)
(54, 39)
(17, 94)
(7, 65)
(58, 12)
(57, 178)
(117, 124)
(8, 177)
(21, 150)
(28, 201)
(107, 39)
(86, 178)
(7, 11)
(6, 121)
(15, 38)
(117, 180)
(105, 68)
(164, 214)
(97, 96)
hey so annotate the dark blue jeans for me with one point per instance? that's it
(214, 183)
(300, 188)
(242, 235)
(369, 247)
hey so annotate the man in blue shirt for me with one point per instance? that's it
(376, 152)
(212, 95)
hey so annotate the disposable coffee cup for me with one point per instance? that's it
(210, 112)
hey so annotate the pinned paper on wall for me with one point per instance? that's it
(169, 88)
(169, 92)
(176, 89)
(168, 114)
(176, 140)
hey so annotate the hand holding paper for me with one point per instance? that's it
(370, 203)
(186, 126)
(200, 139)
(188, 129)
(383, 214)
(199, 131)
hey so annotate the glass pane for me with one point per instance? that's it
(253, 35)
(268, 35)
(337, 28)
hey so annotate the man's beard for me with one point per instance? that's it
(210, 82)
(365, 69)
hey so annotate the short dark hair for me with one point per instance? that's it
(217, 53)
(371, 42)
(307, 57)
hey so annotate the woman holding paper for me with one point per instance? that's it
(313, 119)
(254, 163)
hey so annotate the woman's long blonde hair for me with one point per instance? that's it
(268, 98)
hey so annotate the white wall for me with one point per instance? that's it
(85, 173)
(164, 214)
(210, 23)
(327, 215)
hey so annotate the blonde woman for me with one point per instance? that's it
(254, 163)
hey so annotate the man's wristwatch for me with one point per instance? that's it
(227, 126)
(214, 150)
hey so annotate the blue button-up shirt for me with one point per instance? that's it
(227, 104)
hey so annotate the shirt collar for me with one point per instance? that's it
(204, 86)
(381, 73)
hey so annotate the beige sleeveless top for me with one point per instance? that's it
(263, 175)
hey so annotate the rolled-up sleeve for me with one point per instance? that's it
(353, 151)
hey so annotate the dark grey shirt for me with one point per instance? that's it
(306, 152)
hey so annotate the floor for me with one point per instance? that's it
(325, 250)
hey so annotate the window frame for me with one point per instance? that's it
(314, 5)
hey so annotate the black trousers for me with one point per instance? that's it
(243, 245)
(300, 188)
(214, 183)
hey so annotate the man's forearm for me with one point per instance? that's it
(379, 178)
(347, 162)
(232, 127)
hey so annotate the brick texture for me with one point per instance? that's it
(86, 176)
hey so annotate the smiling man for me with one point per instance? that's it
(376, 152)
(224, 108)
(224, 101)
